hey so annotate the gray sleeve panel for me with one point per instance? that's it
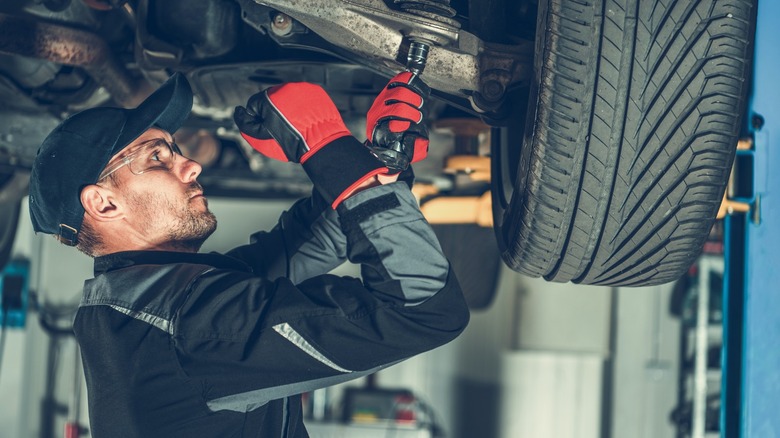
(325, 249)
(400, 255)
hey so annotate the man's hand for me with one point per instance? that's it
(299, 122)
(397, 113)
(290, 122)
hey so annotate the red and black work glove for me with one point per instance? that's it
(299, 122)
(394, 122)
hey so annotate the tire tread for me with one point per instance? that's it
(633, 138)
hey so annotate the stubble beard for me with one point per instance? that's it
(189, 228)
(192, 230)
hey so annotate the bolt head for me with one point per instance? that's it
(492, 89)
(281, 24)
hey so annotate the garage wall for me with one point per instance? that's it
(56, 275)
(646, 364)
(535, 333)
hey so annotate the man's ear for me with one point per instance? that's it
(99, 203)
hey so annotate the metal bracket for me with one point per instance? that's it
(732, 203)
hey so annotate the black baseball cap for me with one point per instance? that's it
(76, 151)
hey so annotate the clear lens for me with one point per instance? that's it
(155, 154)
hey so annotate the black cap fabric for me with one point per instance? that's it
(77, 150)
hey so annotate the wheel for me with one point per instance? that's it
(631, 130)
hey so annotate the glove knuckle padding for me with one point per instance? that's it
(402, 99)
(402, 111)
(303, 115)
(402, 94)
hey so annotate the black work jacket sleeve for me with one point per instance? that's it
(307, 241)
(250, 340)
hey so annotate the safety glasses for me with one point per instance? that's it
(156, 154)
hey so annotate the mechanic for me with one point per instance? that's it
(176, 343)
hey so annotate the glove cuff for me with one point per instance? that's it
(338, 168)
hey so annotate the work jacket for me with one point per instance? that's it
(210, 345)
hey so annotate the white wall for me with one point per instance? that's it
(647, 361)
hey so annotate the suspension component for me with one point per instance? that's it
(463, 69)
(438, 10)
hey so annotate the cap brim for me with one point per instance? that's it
(167, 108)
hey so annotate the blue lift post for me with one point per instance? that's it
(751, 391)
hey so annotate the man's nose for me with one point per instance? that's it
(189, 169)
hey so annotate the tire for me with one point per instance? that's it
(630, 135)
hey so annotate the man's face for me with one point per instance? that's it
(163, 201)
